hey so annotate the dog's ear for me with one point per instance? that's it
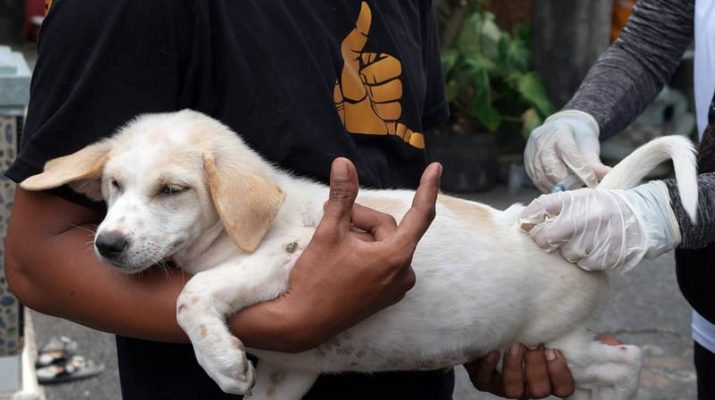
(81, 171)
(246, 203)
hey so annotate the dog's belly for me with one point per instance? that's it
(466, 302)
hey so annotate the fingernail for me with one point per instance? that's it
(340, 170)
(550, 355)
(515, 349)
(439, 169)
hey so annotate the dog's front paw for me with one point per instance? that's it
(227, 365)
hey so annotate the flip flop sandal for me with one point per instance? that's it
(56, 350)
(75, 368)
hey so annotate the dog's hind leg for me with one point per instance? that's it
(212, 295)
(601, 371)
(277, 383)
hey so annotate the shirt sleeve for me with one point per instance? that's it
(628, 76)
(702, 233)
(99, 64)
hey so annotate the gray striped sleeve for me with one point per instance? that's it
(628, 76)
(702, 233)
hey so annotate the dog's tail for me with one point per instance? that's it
(632, 169)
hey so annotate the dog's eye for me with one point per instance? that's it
(115, 184)
(172, 189)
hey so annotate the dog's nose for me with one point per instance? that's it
(110, 244)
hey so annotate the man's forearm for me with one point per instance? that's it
(629, 75)
(700, 234)
(51, 267)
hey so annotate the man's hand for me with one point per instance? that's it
(526, 373)
(604, 229)
(566, 143)
(341, 279)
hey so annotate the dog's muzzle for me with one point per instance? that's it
(110, 244)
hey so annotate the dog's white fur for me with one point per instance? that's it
(182, 186)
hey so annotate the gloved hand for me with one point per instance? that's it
(566, 143)
(601, 229)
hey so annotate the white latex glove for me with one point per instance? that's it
(567, 143)
(601, 229)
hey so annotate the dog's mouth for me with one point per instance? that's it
(129, 262)
(124, 266)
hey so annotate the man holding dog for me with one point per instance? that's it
(304, 83)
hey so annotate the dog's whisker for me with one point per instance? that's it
(84, 228)
(155, 258)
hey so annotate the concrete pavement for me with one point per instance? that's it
(646, 309)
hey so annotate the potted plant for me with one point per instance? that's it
(495, 98)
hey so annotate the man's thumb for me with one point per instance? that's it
(343, 190)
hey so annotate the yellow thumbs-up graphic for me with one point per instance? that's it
(368, 92)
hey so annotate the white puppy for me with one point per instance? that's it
(182, 186)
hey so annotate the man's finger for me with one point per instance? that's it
(419, 217)
(546, 169)
(600, 170)
(562, 384)
(482, 373)
(343, 191)
(553, 169)
(569, 152)
(537, 373)
(540, 238)
(555, 233)
(407, 278)
(512, 374)
(379, 224)
(541, 208)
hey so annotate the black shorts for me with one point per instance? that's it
(168, 371)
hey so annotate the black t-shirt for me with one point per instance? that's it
(274, 71)
(266, 68)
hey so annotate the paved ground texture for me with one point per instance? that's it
(646, 309)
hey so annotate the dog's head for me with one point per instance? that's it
(166, 179)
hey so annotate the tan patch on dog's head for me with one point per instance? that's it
(247, 203)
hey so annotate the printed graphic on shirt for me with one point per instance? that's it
(368, 92)
(48, 4)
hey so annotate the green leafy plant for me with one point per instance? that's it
(490, 83)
